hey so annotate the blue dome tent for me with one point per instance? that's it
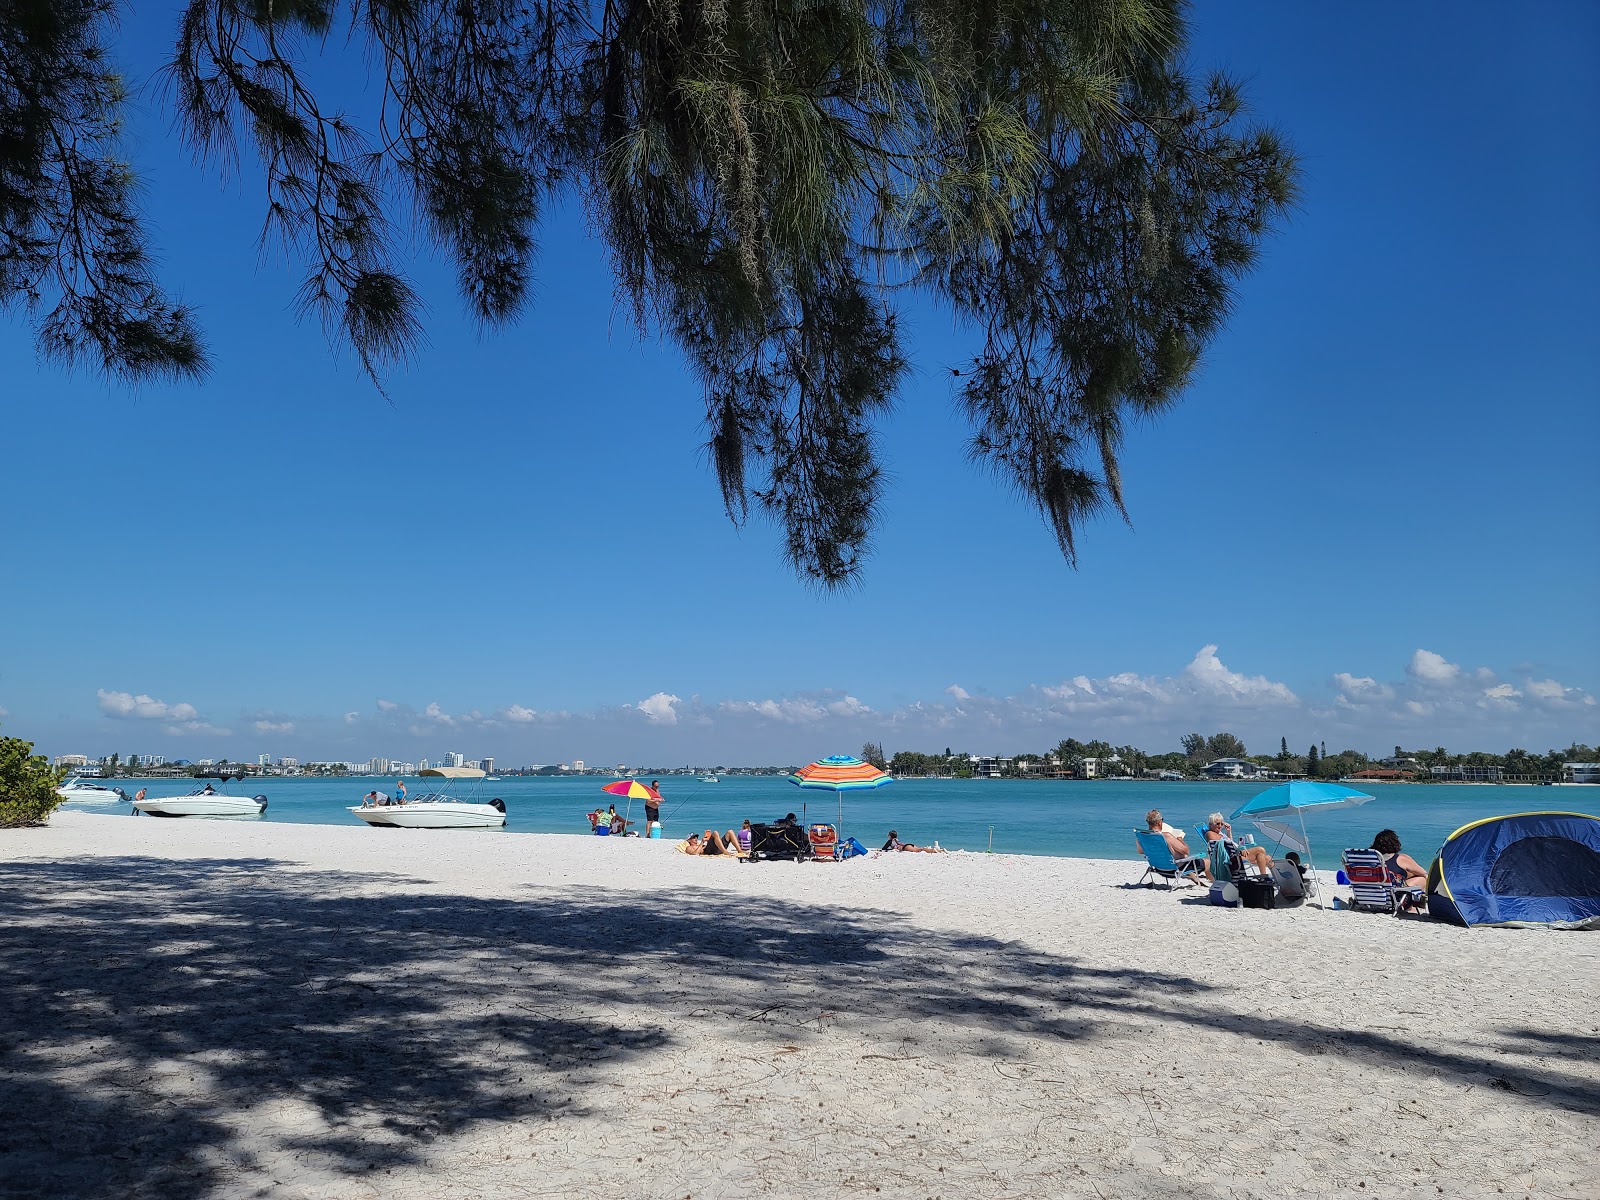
(1526, 869)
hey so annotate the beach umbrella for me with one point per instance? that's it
(1280, 812)
(840, 773)
(631, 790)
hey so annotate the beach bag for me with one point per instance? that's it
(850, 848)
(1257, 891)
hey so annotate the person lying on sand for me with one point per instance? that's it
(711, 842)
(894, 843)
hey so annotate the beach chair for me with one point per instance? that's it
(824, 840)
(1160, 862)
(1372, 887)
(1233, 864)
(778, 841)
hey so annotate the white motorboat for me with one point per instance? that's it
(82, 791)
(203, 801)
(709, 779)
(434, 811)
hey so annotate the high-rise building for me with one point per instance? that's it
(421, 766)
(577, 764)
(288, 762)
(486, 765)
(378, 766)
(455, 760)
(72, 760)
(263, 760)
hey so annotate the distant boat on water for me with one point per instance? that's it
(709, 779)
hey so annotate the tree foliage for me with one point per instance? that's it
(27, 785)
(770, 179)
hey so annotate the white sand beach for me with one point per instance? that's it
(218, 1009)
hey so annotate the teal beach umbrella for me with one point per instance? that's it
(1280, 812)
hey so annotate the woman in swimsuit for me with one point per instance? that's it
(1218, 830)
(894, 843)
(1403, 869)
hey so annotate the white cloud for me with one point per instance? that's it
(661, 708)
(122, 705)
(516, 714)
(1207, 674)
(350, 718)
(434, 713)
(1432, 668)
(387, 706)
(958, 693)
(274, 726)
(195, 729)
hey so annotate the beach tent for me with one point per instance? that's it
(1539, 868)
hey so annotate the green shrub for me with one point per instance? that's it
(27, 785)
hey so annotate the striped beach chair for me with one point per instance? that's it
(1371, 886)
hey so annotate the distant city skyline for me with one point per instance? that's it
(1431, 701)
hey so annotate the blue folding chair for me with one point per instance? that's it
(1160, 862)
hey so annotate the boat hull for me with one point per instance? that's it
(201, 806)
(90, 795)
(432, 816)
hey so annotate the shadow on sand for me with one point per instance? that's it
(151, 1008)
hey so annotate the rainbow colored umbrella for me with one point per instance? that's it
(632, 789)
(840, 773)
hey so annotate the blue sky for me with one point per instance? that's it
(1372, 520)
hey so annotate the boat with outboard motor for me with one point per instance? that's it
(82, 791)
(434, 811)
(204, 801)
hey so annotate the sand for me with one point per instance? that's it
(218, 1009)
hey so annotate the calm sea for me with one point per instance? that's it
(1089, 819)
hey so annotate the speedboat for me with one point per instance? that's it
(709, 779)
(81, 791)
(205, 801)
(434, 811)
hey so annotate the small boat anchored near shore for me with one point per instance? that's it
(81, 791)
(204, 801)
(434, 811)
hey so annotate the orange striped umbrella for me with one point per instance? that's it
(840, 773)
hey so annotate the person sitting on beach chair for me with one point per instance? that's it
(1183, 861)
(1403, 869)
(1218, 830)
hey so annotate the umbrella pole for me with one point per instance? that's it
(840, 834)
(1310, 857)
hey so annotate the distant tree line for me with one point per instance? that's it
(1196, 750)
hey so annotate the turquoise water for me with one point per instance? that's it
(1089, 819)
